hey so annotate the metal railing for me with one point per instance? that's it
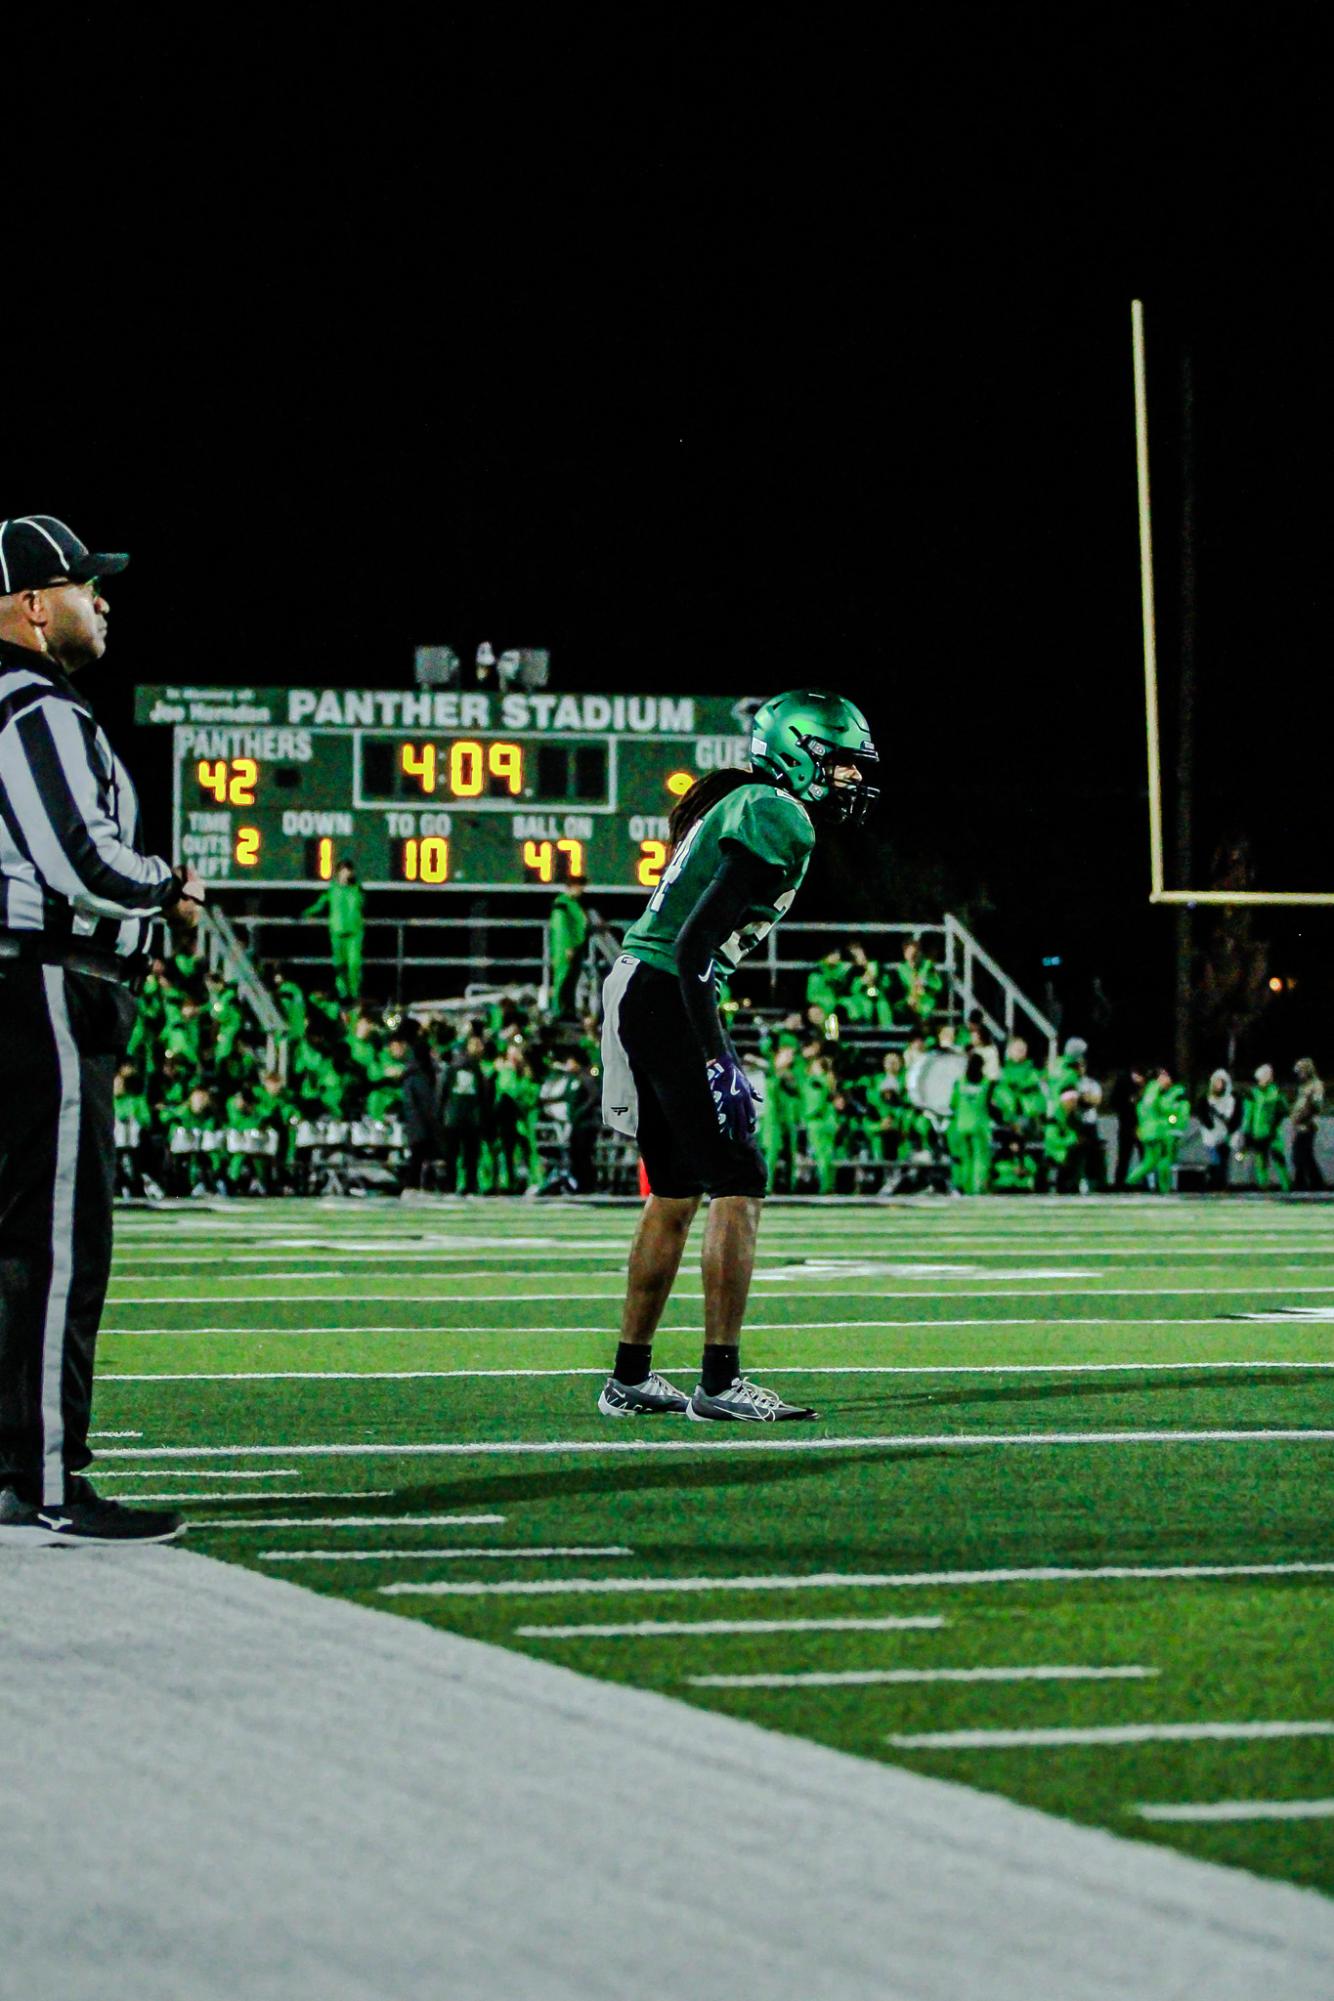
(224, 953)
(965, 960)
(520, 955)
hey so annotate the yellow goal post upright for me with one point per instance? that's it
(1158, 892)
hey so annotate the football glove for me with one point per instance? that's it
(733, 1098)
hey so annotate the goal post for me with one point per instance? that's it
(1158, 891)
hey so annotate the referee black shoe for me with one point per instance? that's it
(83, 1517)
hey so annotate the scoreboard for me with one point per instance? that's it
(430, 789)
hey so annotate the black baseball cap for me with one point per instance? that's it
(35, 547)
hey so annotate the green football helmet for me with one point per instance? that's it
(796, 741)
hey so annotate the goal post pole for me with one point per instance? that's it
(1151, 724)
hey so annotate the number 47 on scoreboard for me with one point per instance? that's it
(540, 856)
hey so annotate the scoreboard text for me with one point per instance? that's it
(485, 791)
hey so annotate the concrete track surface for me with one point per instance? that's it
(215, 1784)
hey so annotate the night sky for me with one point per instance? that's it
(730, 359)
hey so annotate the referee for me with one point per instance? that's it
(77, 903)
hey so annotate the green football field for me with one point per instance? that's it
(1063, 1531)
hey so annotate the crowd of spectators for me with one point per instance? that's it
(844, 1113)
(457, 1098)
(870, 1087)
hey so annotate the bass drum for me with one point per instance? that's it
(931, 1080)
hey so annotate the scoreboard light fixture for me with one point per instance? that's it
(679, 783)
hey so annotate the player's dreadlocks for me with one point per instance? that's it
(705, 792)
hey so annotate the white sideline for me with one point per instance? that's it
(768, 1438)
(685, 1368)
(691, 1629)
(228, 1787)
(887, 1677)
(928, 1288)
(222, 1494)
(189, 1473)
(1104, 1733)
(498, 1327)
(476, 1553)
(837, 1580)
(335, 1521)
(1242, 1810)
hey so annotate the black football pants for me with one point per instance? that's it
(62, 1035)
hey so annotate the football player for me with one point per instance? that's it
(741, 842)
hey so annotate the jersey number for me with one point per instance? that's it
(674, 867)
(734, 949)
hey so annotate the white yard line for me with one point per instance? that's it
(877, 1677)
(218, 1723)
(337, 1521)
(512, 1552)
(499, 1329)
(1225, 1810)
(284, 1494)
(453, 1265)
(1186, 1364)
(928, 1288)
(1110, 1733)
(770, 1438)
(836, 1580)
(690, 1629)
(192, 1473)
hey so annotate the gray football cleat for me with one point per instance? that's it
(746, 1402)
(654, 1397)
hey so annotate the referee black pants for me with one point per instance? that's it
(62, 1036)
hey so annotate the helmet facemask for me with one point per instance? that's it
(847, 805)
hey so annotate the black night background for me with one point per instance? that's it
(730, 361)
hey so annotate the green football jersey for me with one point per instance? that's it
(771, 825)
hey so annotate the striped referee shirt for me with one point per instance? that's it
(69, 819)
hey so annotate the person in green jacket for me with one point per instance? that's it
(969, 1132)
(517, 1163)
(781, 1112)
(890, 1111)
(1073, 1067)
(567, 936)
(344, 902)
(821, 1120)
(197, 1114)
(183, 1034)
(290, 998)
(225, 1011)
(916, 985)
(867, 1001)
(133, 1130)
(1262, 1114)
(1020, 1098)
(252, 1173)
(1162, 1122)
(828, 983)
(1062, 1134)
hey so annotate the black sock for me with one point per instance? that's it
(632, 1362)
(721, 1367)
